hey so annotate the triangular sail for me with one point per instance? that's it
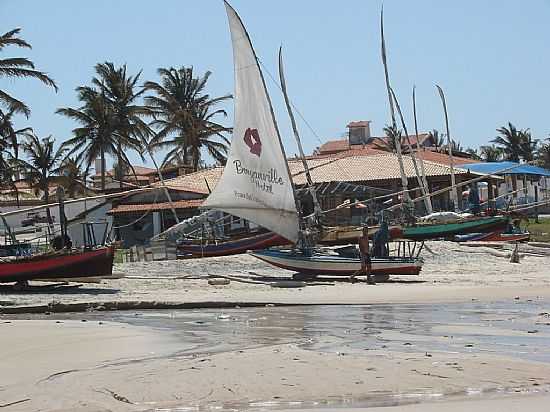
(255, 184)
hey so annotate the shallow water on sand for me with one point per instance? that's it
(514, 328)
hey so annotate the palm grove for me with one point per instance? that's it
(118, 113)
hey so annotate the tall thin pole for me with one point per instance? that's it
(413, 158)
(166, 191)
(316, 205)
(429, 207)
(450, 149)
(404, 182)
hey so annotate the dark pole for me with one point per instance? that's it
(62, 219)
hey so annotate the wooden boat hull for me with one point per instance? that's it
(496, 236)
(434, 231)
(231, 247)
(321, 264)
(345, 235)
(96, 262)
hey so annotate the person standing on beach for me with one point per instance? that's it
(366, 262)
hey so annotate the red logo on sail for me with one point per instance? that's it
(252, 140)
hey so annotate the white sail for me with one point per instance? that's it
(256, 183)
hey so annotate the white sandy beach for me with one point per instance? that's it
(454, 273)
(66, 365)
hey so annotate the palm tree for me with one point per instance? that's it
(95, 138)
(8, 134)
(120, 90)
(528, 146)
(18, 67)
(473, 153)
(437, 139)
(184, 117)
(510, 142)
(7, 176)
(389, 144)
(490, 153)
(42, 165)
(456, 147)
(71, 176)
(543, 155)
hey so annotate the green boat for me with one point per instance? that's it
(443, 230)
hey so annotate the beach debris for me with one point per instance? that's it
(219, 281)
(533, 331)
(469, 345)
(117, 396)
(288, 284)
(514, 257)
(5, 405)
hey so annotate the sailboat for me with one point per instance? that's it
(256, 182)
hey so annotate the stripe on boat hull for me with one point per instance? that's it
(337, 265)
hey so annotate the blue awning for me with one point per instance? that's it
(495, 168)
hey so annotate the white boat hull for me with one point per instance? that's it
(323, 264)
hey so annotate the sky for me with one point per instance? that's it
(491, 58)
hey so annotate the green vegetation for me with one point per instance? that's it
(540, 232)
(119, 253)
(18, 67)
(184, 118)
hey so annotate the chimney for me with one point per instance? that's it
(359, 132)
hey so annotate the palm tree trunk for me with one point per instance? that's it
(102, 169)
(119, 161)
(48, 213)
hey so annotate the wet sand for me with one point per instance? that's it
(127, 366)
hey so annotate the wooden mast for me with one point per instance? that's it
(413, 158)
(311, 188)
(429, 207)
(450, 149)
(404, 181)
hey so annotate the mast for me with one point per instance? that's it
(311, 188)
(429, 207)
(413, 158)
(404, 181)
(166, 191)
(450, 149)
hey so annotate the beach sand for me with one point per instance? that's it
(454, 273)
(65, 365)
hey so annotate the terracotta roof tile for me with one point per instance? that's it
(195, 182)
(144, 207)
(360, 123)
(369, 168)
(443, 158)
(140, 171)
(334, 146)
(352, 166)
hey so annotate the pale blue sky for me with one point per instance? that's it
(491, 57)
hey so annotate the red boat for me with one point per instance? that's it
(188, 249)
(497, 236)
(61, 264)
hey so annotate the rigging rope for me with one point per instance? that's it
(292, 104)
(141, 217)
